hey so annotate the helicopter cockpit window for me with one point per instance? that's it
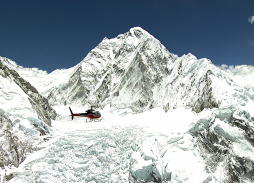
(98, 113)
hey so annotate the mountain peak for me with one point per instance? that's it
(137, 28)
(190, 56)
(135, 70)
(137, 31)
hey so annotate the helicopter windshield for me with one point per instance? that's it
(97, 113)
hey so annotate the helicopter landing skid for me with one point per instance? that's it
(94, 120)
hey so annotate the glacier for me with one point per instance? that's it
(165, 118)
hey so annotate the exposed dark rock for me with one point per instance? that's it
(152, 178)
(12, 149)
(249, 132)
(74, 91)
(206, 99)
(217, 150)
(240, 169)
(41, 130)
(9, 177)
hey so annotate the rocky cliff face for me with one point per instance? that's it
(135, 70)
(38, 102)
(12, 150)
(218, 144)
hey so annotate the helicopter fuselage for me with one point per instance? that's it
(91, 114)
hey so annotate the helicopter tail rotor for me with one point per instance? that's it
(72, 115)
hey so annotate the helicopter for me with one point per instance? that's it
(91, 114)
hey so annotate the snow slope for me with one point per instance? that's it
(242, 74)
(23, 117)
(43, 81)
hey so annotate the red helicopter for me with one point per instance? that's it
(90, 113)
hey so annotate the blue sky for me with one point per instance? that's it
(55, 34)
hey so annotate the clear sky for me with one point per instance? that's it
(55, 34)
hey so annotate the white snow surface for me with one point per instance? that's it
(242, 74)
(102, 152)
(42, 80)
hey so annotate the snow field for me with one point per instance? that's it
(107, 151)
(168, 150)
(91, 155)
(124, 143)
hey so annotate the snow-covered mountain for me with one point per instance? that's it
(37, 101)
(135, 70)
(203, 134)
